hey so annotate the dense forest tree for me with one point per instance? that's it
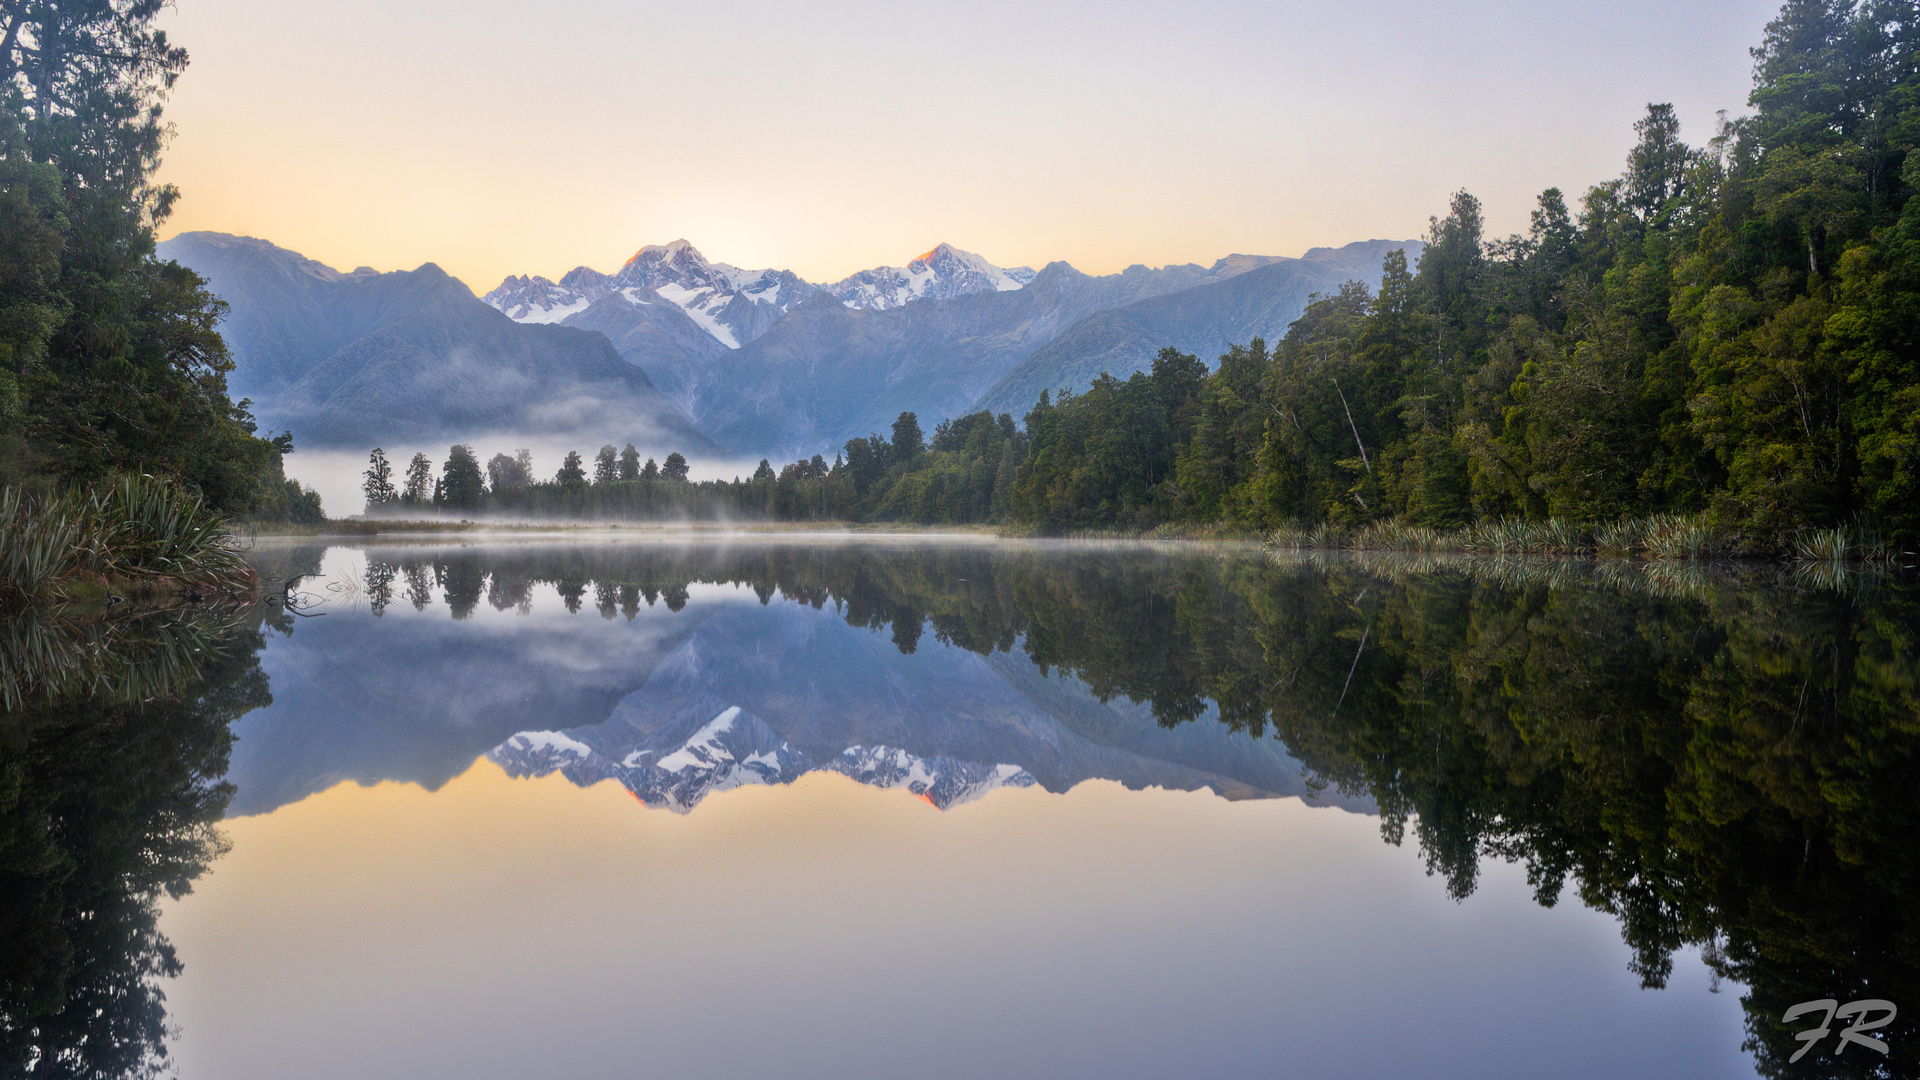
(1723, 341)
(108, 358)
(1725, 331)
(461, 486)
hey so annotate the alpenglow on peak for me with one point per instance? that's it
(940, 274)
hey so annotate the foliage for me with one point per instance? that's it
(131, 530)
(110, 798)
(1714, 352)
(108, 359)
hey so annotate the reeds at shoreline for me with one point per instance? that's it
(141, 535)
(1668, 537)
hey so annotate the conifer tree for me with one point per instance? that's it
(379, 480)
(461, 485)
(419, 491)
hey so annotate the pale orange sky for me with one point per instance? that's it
(512, 929)
(827, 138)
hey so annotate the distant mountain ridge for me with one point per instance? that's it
(676, 349)
(827, 372)
(1260, 300)
(941, 274)
(360, 359)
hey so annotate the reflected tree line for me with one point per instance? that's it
(112, 754)
(1722, 761)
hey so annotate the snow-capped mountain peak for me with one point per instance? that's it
(534, 299)
(732, 304)
(737, 748)
(735, 305)
(944, 272)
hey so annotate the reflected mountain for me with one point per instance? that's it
(440, 656)
(1724, 759)
(764, 694)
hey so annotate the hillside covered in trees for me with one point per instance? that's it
(1725, 336)
(1731, 330)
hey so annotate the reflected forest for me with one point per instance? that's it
(1722, 759)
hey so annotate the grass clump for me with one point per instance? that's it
(138, 534)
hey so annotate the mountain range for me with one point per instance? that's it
(363, 358)
(713, 358)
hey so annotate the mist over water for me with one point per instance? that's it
(530, 804)
(338, 474)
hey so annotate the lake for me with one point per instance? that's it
(714, 806)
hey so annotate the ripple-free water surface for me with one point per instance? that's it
(721, 809)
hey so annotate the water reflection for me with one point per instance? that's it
(1720, 759)
(111, 759)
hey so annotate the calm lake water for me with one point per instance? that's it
(723, 807)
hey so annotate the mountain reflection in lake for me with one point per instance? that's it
(1715, 766)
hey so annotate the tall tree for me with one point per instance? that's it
(907, 439)
(379, 480)
(461, 485)
(419, 490)
(107, 358)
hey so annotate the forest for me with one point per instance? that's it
(1721, 343)
(1725, 332)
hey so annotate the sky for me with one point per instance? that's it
(827, 138)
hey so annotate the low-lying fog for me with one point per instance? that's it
(338, 474)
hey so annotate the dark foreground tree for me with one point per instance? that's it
(108, 359)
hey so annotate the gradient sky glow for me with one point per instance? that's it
(498, 138)
(510, 929)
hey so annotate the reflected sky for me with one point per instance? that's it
(503, 928)
(457, 851)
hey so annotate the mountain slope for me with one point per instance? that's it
(481, 373)
(828, 373)
(286, 312)
(354, 360)
(1261, 301)
(656, 336)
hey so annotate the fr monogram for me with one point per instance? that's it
(1862, 1009)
